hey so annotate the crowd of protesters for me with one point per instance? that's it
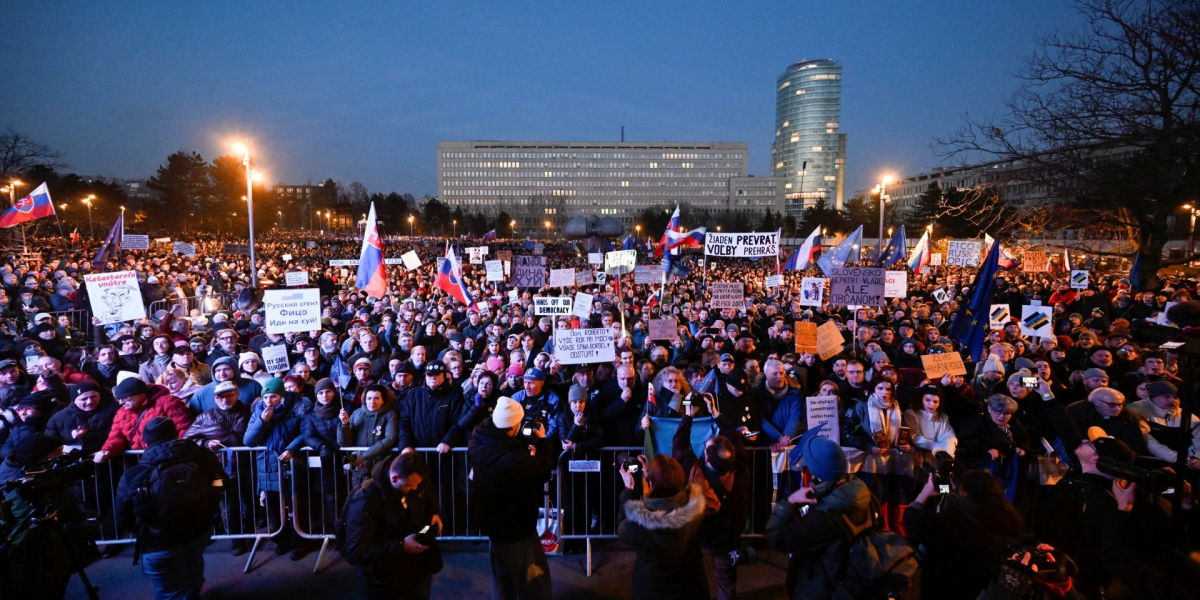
(1024, 439)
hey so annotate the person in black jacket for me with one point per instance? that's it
(429, 414)
(171, 539)
(224, 426)
(383, 517)
(86, 421)
(507, 477)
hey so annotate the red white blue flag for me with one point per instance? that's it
(34, 206)
(804, 255)
(672, 225)
(372, 274)
(449, 279)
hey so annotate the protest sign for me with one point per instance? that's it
(947, 363)
(551, 306)
(941, 296)
(583, 278)
(1035, 261)
(285, 257)
(663, 329)
(162, 240)
(343, 262)
(475, 255)
(184, 249)
(411, 260)
(806, 337)
(1036, 320)
(861, 286)
(895, 284)
(135, 242)
(601, 277)
(275, 358)
(513, 296)
(582, 346)
(595, 258)
(648, 274)
(292, 310)
(741, 245)
(504, 255)
(999, 316)
(562, 277)
(727, 295)
(529, 271)
(495, 270)
(935, 259)
(310, 244)
(583, 305)
(539, 249)
(238, 249)
(963, 253)
(620, 262)
(773, 281)
(295, 278)
(1079, 279)
(812, 290)
(829, 340)
(823, 410)
(114, 296)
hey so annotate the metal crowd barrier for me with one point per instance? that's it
(205, 304)
(80, 319)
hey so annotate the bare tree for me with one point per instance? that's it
(1107, 119)
(18, 153)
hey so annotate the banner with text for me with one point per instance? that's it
(115, 296)
(727, 295)
(741, 245)
(529, 271)
(858, 286)
(963, 253)
(583, 346)
(292, 310)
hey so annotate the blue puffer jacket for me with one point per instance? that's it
(287, 418)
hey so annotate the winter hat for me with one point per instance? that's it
(159, 429)
(576, 393)
(130, 386)
(880, 356)
(1160, 388)
(1025, 363)
(245, 356)
(824, 459)
(324, 384)
(83, 388)
(224, 386)
(993, 365)
(495, 363)
(273, 385)
(508, 413)
(225, 360)
(516, 370)
(362, 361)
(1094, 372)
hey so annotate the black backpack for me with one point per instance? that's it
(339, 524)
(177, 503)
(870, 563)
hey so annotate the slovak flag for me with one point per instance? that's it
(489, 236)
(372, 273)
(672, 225)
(1007, 261)
(449, 279)
(34, 206)
(804, 255)
(920, 254)
(685, 239)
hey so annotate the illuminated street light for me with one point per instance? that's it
(883, 200)
(410, 225)
(88, 201)
(244, 150)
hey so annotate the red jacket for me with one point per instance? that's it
(127, 426)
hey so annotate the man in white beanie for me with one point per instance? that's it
(509, 467)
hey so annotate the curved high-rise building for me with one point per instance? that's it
(809, 153)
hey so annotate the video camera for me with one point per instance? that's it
(51, 475)
(1157, 481)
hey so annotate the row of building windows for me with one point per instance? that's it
(601, 155)
(453, 185)
(693, 174)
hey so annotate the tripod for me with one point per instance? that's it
(43, 517)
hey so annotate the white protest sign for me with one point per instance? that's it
(539, 249)
(343, 262)
(620, 261)
(823, 410)
(773, 281)
(391, 261)
(476, 254)
(895, 284)
(184, 249)
(583, 278)
(562, 277)
(963, 253)
(727, 294)
(275, 358)
(662, 329)
(411, 260)
(595, 258)
(941, 295)
(162, 240)
(551, 306)
(1079, 279)
(648, 274)
(862, 286)
(115, 296)
(513, 296)
(292, 310)
(135, 242)
(741, 245)
(529, 271)
(583, 305)
(285, 257)
(935, 259)
(812, 290)
(295, 278)
(1037, 320)
(582, 346)
(999, 316)
(495, 270)
(601, 277)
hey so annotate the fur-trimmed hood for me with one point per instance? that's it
(675, 512)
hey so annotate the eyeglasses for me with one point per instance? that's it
(1002, 413)
(1112, 405)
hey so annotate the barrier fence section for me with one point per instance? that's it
(205, 304)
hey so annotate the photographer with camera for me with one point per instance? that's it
(392, 524)
(509, 469)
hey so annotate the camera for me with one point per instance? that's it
(943, 474)
(52, 475)
(1029, 382)
(630, 463)
(427, 536)
(1157, 481)
(529, 427)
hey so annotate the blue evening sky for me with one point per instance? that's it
(363, 91)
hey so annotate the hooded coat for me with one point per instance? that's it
(128, 425)
(665, 532)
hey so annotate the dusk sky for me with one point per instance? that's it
(364, 91)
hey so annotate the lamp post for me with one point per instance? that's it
(279, 219)
(512, 228)
(88, 201)
(12, 201)
(455, 227)
(245, 152)
(883, 198)
(547, 224)
(1192, 230)
(410, 225)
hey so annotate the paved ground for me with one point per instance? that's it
(465, 576)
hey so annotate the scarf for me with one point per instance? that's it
(279, 439)
(883, 417)
(325, 411)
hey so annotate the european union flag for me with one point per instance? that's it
(338, 372)
(848, 251)
(970, 323)
(896, 250)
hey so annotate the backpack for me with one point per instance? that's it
(339, 525)
(175, 494)
(871, 564)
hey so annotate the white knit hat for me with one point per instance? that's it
(508, 413)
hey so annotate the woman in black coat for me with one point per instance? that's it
(994, 442)
(319, 429)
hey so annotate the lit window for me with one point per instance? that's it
(795, 137)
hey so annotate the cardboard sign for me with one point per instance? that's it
(823, 410)
(583, 306)
(773, 281)
(812, 291)
(999, 316)
(1037, 320)
(184, 249)
(583, 346)
(806, 337)
(1035, 261)
(935, 259)
(529, 271)
(583, 278)
(741, 245)
(240, 250)
(292, 310)
(596, 258)
(858, 286)
(727, 295)
(948, 363)
(495, 270)
(829, 340)
(135, 242)
(963, 253)
(1079, 279)
(476, 254)
(115, 296)
(895, 284)
(162, 240)
(275, 358)
(504, 255)
(411, 260)
(562, 277)
(295, 278)
(648, 274)
(942, 296)
(620, 262)
(551, 306)
(663, 329)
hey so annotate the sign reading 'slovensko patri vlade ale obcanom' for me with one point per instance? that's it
(292, 310)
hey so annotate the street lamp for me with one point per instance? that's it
(547, 224)
(410, 225)
(1192, 232)
(279, 219)
(88, 201)
(11, 188)
(244, 150)
(883, 198)
(455, 227)
(512, 227)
